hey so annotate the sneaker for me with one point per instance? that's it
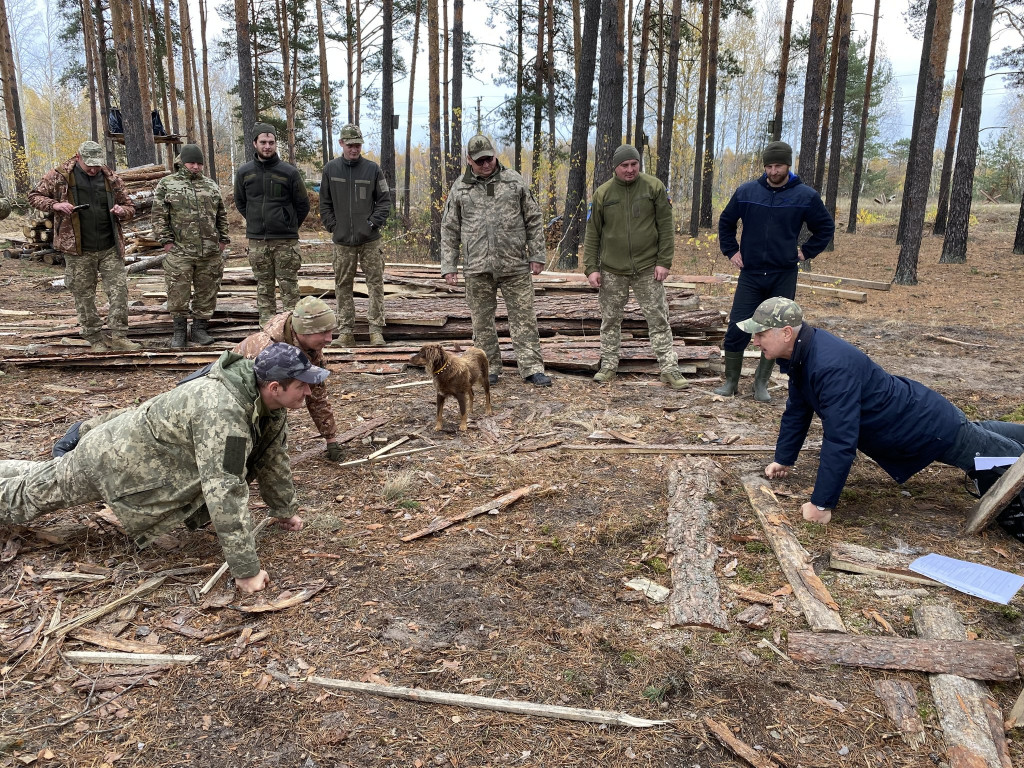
(492, 378)
(604, 375)
(344, 340)
(539, 379)
(674, 379)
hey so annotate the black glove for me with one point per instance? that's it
(334, 452)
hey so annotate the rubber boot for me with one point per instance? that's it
(733, 366)
(180, 338)
(199, 334)
(120, 342)
(762, 376)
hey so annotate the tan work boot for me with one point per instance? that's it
(121, 343)
(344, 340)
(674, 378)
(377, 336)
(96, 343)
(605, 375)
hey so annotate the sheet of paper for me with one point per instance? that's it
(987, 462)
(970, 578)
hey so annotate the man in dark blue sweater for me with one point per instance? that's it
(900, 423)
(773, 209)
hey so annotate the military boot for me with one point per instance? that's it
(344, 340)
(762, 376)
(180, 338)
(605, 375)
(674, 378)
(376, 336)
(96, 343)
(733, 366)
(119, 342)
(199, 334)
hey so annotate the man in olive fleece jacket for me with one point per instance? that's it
(630, 244)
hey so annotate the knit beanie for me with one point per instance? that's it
(263, 128)
(624, 153)
(778, 152)
(191, 153)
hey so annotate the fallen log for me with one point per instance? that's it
(900, 701)
(495, 505)
(144, 264)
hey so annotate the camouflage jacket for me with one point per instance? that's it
(280, 329)
(188, 210)
(196, 446)
(58, 186)
(496, 222)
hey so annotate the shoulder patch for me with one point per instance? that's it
(234, 455)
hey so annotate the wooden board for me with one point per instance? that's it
(997, 497)
(857, 559)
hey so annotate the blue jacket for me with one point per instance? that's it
(772, 219)
(901, 424)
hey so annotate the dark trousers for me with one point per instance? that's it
(984, 438)
(751, 289)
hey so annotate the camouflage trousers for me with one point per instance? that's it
(650, 295)
(193, 276)
(31, 488)
(370, 257)
(517, 291)
(81, 274)
(275, 260)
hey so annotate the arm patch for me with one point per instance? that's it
(234, 455)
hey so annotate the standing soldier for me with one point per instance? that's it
(491, 214)
(354, 204)
(190, 222)
(89, 204)
(271, 196)
(630, 244)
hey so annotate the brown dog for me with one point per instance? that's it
(455, 375)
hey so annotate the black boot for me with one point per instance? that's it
(762, 376)
(733, 366)
(199, 334)
(180, 338)
(67, 443)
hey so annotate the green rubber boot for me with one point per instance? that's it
(762, 376)
(733, 366)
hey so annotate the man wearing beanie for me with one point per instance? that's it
(355, 202)
(630, 244)
(773, 209)
(271, 196)
(191, 224)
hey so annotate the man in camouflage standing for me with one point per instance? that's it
(491, 216)
(191, 224)
(89, 203)
(354, 204)
(271, 196)
(630, 244)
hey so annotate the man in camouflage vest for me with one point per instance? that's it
(271, 196)
(630, 244)
(184, 457)
(191, 224)
(89, 203)
(354, 204)
(492, 218)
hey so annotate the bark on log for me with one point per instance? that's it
(857, 559)
(695, 599)
(737, 747)
(997, 497)
(142, 266)
(900, 701)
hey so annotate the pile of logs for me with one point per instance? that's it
(40, 231)
(140, 183)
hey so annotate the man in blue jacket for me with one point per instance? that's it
(900, 423)
(773, 209)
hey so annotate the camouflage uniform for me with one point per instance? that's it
(274, 260)
(188, 213)
(183, 457)
(650, 295)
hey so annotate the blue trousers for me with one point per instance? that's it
(984, 438)
(751, 289)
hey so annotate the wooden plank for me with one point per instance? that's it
(106, 640)
(855, 282)
(820, 610)
(976, 659)
(737, 747)
(89, 616)
(900, 701)
(1016, 718)
(495, 505)
(113, 657)
(695, 598)
(857, 559)
(997, 497)
(971, 721)
(856, 296)
(693, 450)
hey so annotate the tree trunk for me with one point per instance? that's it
(858, 165)
(187, 64)
(552, 207)
(699, 129)
(659, 99)
(246, 89)
(577, 39)
(359, 70)
(211, 151)
(88, 31)
(843, 13)
(933, 73)
(446, 127)
(954, 122)
(12, 105)
(138, 125)
(406, 213)
(830, 86)
(538, 103)
(520, 63)
(350, 60)
(954, 246)
(575, 191)
(161, 73)
(1018, 239)
(458, 63)
(101, 46)
(609, 94)
(139, 32)
(434, 66)
(812, 89)
(641, 78)
(387, 97)
(327, 139)
(665, 140)
(628, 32)
(284, 40)
(709, 141)
(780, 89)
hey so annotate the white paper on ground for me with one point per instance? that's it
(987, 462)
(970, 578)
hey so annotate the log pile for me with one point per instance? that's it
(140, 183)
(40, 231)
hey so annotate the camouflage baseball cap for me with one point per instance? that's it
(312, 315)
(777, 312)
(279, 362)
(91, 153)
(480, 146)
(350, 134)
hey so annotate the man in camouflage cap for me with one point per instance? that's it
(184, 457)
(272, 198)
(307, 327)
(191, 224)
(355, 202)
(901, 424)
(89, 204)
(492, 220)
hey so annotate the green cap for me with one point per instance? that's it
(777, 312)
(261, 128)
(350, 134)
(191, 153)
(312, 315)
(777, 152)
(480, 146)
(91, 153)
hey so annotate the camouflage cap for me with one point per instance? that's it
(279, 362)
(91, 153)
(312, 315)
(260, 128)
(777, 312)
(480, 146)
(350, 134)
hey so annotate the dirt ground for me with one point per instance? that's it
(527, 604)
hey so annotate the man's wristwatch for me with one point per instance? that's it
(821, 508)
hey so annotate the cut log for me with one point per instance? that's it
(819, 608)
(976, 659)
(737, 747)
(492, 506)
(997, 497)
(971, 721)
(144, 264)
(900, 701)
(695, 599)
(857, 559)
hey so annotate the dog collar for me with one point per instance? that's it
(442, 367)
